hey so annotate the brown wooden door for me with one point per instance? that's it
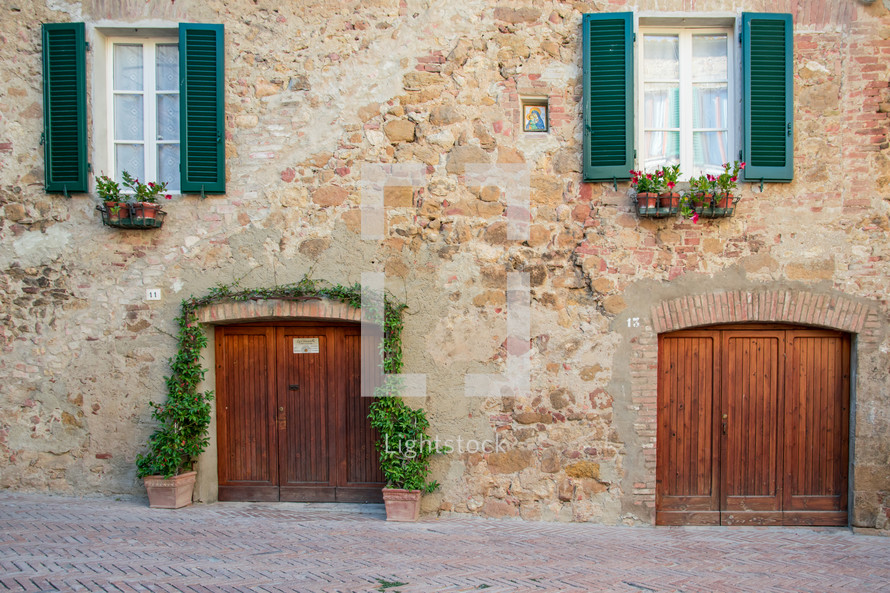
(817, 417)
(688, 449)
(245, 414)
(753, 427)
(292, 425)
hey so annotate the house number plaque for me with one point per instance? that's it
(305, 345)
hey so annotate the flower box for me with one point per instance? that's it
(141, 215)
(651, 205)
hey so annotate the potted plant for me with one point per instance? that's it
(404, 453)
(135, 206)
(183, 422)
(669, 198)
(115, 204)
(711, 196)
(654, 196)
(145, 196)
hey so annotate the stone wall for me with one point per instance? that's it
(316, 90)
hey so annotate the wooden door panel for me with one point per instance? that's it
(686, 474)
(362, 479)
(303, 397)
(247, 453)
(817, 427)
(751, 423)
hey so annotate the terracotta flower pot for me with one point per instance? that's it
(669, 200)
(117, 211)
(146, 210)
(401, 505)
(647, 200)
(170, 493)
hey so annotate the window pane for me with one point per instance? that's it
(709, 107)
(661, 148)
(661, 57)
(709, 150)
(168, 165)
(661, 106)
(168, 117)
(709, 58)
(167, 68)
(127, 67)
(129, 158)
(128, 117)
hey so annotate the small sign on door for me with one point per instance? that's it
(305, 345)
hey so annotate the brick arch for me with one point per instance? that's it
(259, 310)
(834, 311)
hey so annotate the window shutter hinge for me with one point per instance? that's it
(89, 167)
(741, 159)
(42, 138)
(88, 46)
(635, 37)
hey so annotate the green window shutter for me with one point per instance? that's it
(202, 131)
(768, 99)
(608, 96)
(65, 107)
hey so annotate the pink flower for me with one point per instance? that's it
(168, 196)
(671, 184)
(711, 177)
(695, 218)
(151, 184)
(742, 166)
(733, 179)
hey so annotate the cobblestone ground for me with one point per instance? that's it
(64, 544)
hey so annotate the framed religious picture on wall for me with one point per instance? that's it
(534, 115)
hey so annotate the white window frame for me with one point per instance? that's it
(685, 34)
(149, 93)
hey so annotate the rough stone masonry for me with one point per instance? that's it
(315, 90)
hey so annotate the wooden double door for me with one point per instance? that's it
(291, 422)
(753, 427)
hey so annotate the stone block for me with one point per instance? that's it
(509, 462)
(399, 130)
(329, 195)
(583, 469)
(460, 156)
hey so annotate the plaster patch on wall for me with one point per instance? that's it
(33, 249)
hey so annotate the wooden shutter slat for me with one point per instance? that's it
(202, 129)
(64, 107)
(767, 58)
(608, 96)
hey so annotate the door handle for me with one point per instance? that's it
(282, 419)
(725, 416)
(293, 387)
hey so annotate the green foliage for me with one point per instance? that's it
(184, 419)
(644, 183)
(144, 192)
(109, 190)
(402, 442)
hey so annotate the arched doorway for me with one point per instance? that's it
(753, 426)
(291, 424)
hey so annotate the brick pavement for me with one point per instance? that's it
(65, 544)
